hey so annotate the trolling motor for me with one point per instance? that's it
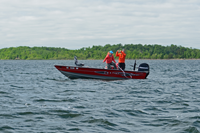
(76, 62)
(134, 66)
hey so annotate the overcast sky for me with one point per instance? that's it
(83, 23)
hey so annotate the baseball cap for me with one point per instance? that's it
(111, 51)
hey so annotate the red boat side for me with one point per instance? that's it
(96, 73)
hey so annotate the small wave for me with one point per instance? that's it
(191, 130)
(169, 121)
(16, 86)
(66, 113)
(154, 109)
(5, 128)
(60, 80)
(32, 73)
(79, 107)
(134, 112)
(29, 120)
(70, 115)
(3, 92)
(195, 117)
(124, 130)
(54, 100)
(99, 121)
(8, 116)
(74, 129)
(25, 113)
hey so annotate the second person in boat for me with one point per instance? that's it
(109, 58)
(121, 54)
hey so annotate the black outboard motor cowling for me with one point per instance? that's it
(144, 67)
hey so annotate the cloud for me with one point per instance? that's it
(83, 23)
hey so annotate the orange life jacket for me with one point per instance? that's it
(121, 56)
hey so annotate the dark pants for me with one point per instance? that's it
(108, 65)
(122, 65)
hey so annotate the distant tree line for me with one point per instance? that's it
(133, 51)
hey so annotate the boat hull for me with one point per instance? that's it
(74, 72)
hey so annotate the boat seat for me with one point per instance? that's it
(76, 62)
(81, 64)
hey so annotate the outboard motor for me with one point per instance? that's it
(76, 62)
(144, 67)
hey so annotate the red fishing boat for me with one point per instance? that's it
(79, 71)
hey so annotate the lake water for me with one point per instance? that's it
(36, 97)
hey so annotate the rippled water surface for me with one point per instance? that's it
(35, 97)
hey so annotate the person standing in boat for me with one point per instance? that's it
(121, 54)
(109, 58)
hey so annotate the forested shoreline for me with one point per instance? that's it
(133, 51)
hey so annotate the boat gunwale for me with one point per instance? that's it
(100, 68)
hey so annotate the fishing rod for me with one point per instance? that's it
(123, 71)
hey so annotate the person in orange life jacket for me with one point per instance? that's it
(109, 58)
(121, 54)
